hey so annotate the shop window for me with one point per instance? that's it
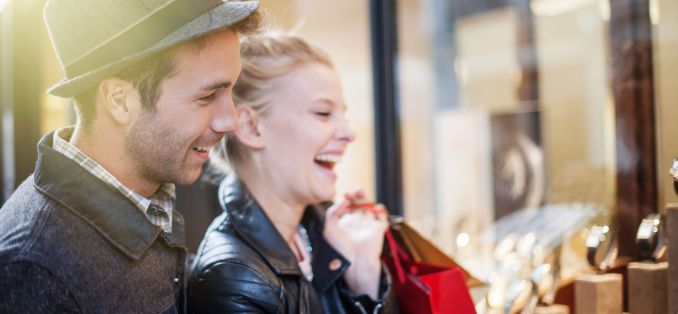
(511, 107)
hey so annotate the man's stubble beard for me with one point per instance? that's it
(155, 150)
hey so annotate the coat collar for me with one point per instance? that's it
(253, 225)
(105, 209)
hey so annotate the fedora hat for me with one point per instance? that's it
(94, 39)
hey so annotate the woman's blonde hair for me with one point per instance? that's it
(265, 58)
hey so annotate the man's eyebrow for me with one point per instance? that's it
(217, 85)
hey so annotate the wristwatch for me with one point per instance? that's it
(674, 174)
(650, 238)
(601, 247)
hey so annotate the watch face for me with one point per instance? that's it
(646, 229)
(674, 170)
(650, 238)
(596, 236)
(518, 173)
(601, 248)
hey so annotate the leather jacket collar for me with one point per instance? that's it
(254, 226)
(251, 222)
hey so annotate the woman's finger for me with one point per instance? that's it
(338, 209)
(381, 213)
(356, 196)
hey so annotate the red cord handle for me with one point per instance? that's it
(396, 253)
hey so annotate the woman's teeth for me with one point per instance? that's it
(328, 158)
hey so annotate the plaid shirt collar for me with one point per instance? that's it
(158, 209)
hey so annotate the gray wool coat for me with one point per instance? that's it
(69, 243)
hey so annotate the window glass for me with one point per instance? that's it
(505, 107)
(664, 14)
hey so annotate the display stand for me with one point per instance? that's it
(647, 288)
(672, 239)
(598, 294)
(552, 309)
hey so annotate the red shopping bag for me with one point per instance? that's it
(422, 288)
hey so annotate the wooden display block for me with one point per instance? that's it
(647, 288)
(552, 309)
(672, 238)
(598, 294)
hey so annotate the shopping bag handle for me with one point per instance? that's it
(396, 252)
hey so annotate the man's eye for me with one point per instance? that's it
(207, 99)
(323, 113)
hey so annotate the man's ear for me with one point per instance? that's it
(119, 100)
(249, 131)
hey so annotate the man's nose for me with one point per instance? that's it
(225, 119)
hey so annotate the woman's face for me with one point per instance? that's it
(305, 134)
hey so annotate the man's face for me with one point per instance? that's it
(171, 142)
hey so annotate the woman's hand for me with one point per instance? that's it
(358, 234)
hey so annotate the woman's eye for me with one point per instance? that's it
(323, 113)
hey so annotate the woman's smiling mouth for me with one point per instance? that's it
(327, 161)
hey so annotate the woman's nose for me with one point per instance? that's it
(345, 131)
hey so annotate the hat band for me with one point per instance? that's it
(141, 35)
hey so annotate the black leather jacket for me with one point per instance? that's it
(244, 265)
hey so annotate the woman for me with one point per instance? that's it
(274, 249)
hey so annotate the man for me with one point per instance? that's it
(93, 229)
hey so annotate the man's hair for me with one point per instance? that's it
(148, 74)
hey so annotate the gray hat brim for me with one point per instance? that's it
(222, 16)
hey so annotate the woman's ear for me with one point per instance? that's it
(249, 131)
(119, 100)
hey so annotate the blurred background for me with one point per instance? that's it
(466, 110)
